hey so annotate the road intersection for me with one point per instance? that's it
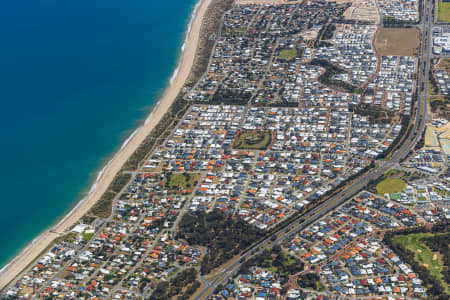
(401, 153)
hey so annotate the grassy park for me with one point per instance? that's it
(288, 54)
(87, 236)
(444, 11)
(182, 180)
(390, 185)
(253, 140)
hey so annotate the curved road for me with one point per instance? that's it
(319, 211)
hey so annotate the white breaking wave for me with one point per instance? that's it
(129, 139)
(100, 174)
(175, 74)
(186, 38)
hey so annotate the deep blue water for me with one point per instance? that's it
(76, 78)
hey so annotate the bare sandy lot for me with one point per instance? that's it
(444, 64)
(362, 14)
(397, 41)
(363, 10)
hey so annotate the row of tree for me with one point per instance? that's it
(391, 22)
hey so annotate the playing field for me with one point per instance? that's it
(390, 185)
(444, 12)
(288, 54)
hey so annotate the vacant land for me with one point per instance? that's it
(366, 14)
(288, 54)
(362, 10)
(430, 137)
(423, 255)
(443, 64)
(439, 103)
(434, 93)
(253, 140)
(444, 12)
(185, 284)
(397, 41)
(390, 185)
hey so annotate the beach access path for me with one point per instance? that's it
(43, 241)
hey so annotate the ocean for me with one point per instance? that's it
(76, 79)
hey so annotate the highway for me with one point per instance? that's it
(409, 142)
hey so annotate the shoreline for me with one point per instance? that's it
(105, 176)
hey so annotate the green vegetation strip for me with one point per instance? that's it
(103, 207)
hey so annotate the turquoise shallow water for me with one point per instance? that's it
(76, 78)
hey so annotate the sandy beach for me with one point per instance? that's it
(39, 244)
(267, 2)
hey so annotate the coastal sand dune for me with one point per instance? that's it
(29, 254)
